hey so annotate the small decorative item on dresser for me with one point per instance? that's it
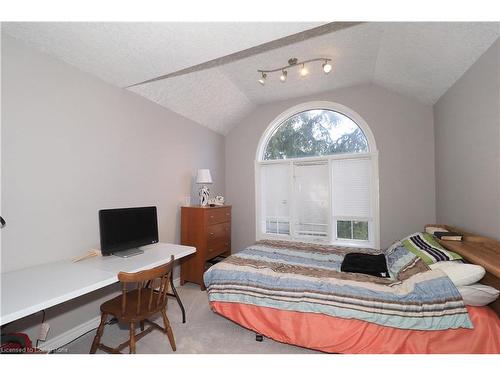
(203, 177)
(217, 201)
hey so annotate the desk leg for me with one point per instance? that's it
(176, 295)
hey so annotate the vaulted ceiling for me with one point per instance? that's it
(420, 60)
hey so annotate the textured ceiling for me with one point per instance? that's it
(124, 53)
(353, 51)
(425, 60)
(421, 60)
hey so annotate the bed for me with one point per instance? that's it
(295, 293)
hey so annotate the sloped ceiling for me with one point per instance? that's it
(421, 60)
(123, 53)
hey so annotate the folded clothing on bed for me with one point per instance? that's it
(368, 264)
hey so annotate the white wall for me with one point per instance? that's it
(467, 127)
(71, 145)
(403, 130)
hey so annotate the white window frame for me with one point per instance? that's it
(372, 154)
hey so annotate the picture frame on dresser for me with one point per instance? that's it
(208, 229)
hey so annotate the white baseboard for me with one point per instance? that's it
(73, 333)
(70, 335)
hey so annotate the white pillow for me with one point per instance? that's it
(460, 273)
(478, 294)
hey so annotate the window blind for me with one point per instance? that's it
(275, 182)
(311, 199)
(351, 188)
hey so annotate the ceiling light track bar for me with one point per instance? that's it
(324, 59)
(292, 63)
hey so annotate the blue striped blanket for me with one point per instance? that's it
(307, 278)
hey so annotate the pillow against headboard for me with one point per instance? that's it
(425, 247)
(461, 274)
(478, 294)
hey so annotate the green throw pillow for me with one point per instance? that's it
(428, 249)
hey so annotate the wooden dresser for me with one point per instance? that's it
(209, 230)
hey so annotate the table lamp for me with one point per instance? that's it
(203, 177)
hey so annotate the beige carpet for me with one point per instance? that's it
(204, 332)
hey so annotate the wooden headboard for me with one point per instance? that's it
(480, 250)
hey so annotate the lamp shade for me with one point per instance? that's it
(203, 176)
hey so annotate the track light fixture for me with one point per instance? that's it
(303, 70)
(262, 79)
(283, 75)
(293, 62)
(327, 67)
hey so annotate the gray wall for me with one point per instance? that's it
(467, 134)
(403, 130)
(71, 145)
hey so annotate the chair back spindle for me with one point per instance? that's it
(150, 292)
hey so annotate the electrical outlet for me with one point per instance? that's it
(44, 330)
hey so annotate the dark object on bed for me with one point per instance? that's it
(368, 264)
(211, 262)
(448, 236)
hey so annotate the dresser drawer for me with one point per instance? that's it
(217, 247)
(218, 232)
(217, 215)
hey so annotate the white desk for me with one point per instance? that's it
(33, 289)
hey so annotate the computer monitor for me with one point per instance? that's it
(127, 228)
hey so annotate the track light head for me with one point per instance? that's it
(283, 75)
(327, 67)
(304, 71)
(262, 79)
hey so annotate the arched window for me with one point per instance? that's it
(317, 177)
(315, 132)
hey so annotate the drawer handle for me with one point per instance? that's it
(210, 250)
(227, 214)
(212, 234)
(211, 216)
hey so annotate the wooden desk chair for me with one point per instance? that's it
(137, 306)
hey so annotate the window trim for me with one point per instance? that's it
(374, 223)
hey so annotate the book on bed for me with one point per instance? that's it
(448, 236)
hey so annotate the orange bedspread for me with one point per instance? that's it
(338, 335)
